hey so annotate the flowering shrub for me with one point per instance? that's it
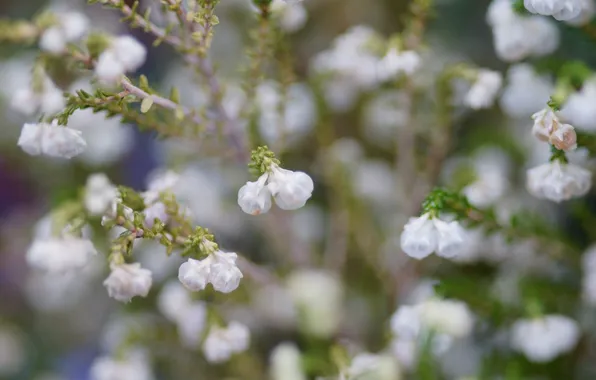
(271, 242)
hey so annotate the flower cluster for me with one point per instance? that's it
(222, 343)
(547, 127)
(124, 54)
(426, 234)
(218, 268)
(289, 189)
(560, 9)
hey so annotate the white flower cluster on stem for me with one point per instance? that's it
(558, 181)
(548, 128)
(125, 54)
(127, 281)
(425, 234)
(51, 140)
(219, 269)
(289, 189)
(46, 98)
(222, 343)
(560, 9)
(543, 339)
(517, 37)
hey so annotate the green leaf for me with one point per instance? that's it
(146, 104)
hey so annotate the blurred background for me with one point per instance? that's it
(53, 328)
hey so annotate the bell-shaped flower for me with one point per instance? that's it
(127, 281)
(195, 274)
(419, 238)
(290, 189)
(558, 181)
(451, 238)
(52, 140)
(225, 275)
(254, 198)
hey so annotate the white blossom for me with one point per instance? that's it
(560, 9)
(71, 26)
(405, 322)
(195, 274)
(222, 343)
(543, 339)
(173, 300)
(286, 363)
(51, 139)
(254, 198)
(526, 91)
(127, 281)
(191, 324)
(587, 11)
(45, 98)
(484, 90)
(100, 193)
(578, 109)
(60, 254)
(318, 296)
(290, 189)
(558, 181)
(425, 235)
(292, 16)
(133, 366)
(448, 317)
(225, 275)
(219, 269)
(398, 62)
(372, 366)
(125, 54)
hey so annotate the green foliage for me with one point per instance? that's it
(261, 160)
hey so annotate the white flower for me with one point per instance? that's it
(291, 17)
(254, 198)
(558, 181)
(425, 235)
(396, 62)
(191, 324)
(543, 339)
(60, 254)
(588, 9)
(578, 109)
(99, 194)
(47, 99)
(51, 139)
(219, 269)
(405, 322)
(127, 281)
(125, 54)
(290, 189)
(173, 300)
(483, 92)
(286, 363)
(451, 238)
(318, 296)
(71, 27)
(195, 274)
(133, 366)
(224, 274)
(371, 366)
(545, 122)
(155, 211)
(448, 317)
(158, 183)
(222, 343)
(526, 91)
(559, 9)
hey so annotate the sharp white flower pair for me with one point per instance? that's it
(290, 190)
(219, 269)
(425, 235)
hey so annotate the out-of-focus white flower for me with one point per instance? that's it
(483, 92)
(222, 343)
(318, 296)
(107, 139)
(254, 198)
(448, 317)
(371, 366)
(219, 269)
(191, 323)
(158, 183)
(405, 322)
(52, 140)
(70, 27)
(286, 363)
(292, 16)
(560, 9)
(173, 300)
(100, 193)
(375, 181)
(134, 366)
(587, 11)
(543, 339)
(12, 351)
(517, 37)
(578, 109)
(47, 99)
(558, 181)
(387, 112)
(425, 235)
(526, 91)
(397, 62)
(275, 306)
(60, 254)
(127, 281)
(125, 54)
